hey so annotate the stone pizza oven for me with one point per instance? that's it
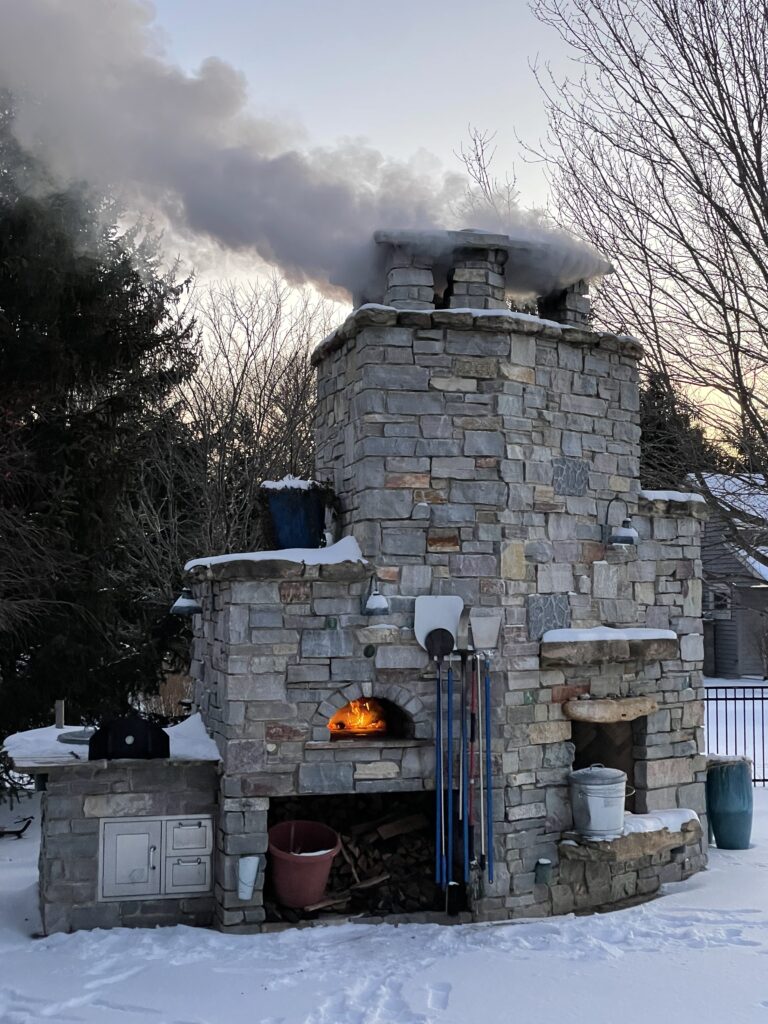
(486, 454)
(478, 453)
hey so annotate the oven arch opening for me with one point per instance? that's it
(370, 718)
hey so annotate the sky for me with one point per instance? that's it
(284, 133)
(408, 75)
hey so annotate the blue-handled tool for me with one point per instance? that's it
(488, 769)
(449, 773)
(439, 644)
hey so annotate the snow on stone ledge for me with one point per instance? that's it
(598, 633)
(345, 550)
(293, 483)
(41, 747)
(672, 819)
(190, 741)
(680, 496)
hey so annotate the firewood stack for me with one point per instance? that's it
(386, 864)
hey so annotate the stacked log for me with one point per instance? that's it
(386, 863)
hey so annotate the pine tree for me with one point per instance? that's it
(672, 444)
(91, 345)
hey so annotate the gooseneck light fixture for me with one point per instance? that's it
(375, 603)
(619, 536)
(623, 535)
(186, 605)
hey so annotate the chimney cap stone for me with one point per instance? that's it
(532, 266)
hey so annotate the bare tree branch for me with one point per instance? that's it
(656, 155)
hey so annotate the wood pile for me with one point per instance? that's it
(386, 863)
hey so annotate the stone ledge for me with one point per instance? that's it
(604, 709)
(494, 321)
(30, 766)
(629, 847)
(672, 503)
(597, 652)
(366, 743)
(282, 569)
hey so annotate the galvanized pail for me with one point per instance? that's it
(597, 799)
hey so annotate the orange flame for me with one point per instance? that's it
(359, 718)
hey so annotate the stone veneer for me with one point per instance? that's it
(484, 455)
(76, 797)
(594, 875)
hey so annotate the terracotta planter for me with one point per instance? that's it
(301, 854)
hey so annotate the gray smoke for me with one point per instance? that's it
(99, 101)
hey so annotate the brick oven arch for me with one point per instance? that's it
(402, 698)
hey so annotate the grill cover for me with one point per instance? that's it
(129, 737)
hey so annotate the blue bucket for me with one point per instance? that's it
(298, 516)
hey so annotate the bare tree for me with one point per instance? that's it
(656, 155)
(486, 193)
(244, 417)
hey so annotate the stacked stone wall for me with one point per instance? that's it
(486, 455)
(76, 797)
(599, 876)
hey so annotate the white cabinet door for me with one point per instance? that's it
(131, 858)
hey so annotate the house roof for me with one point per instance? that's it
(739, 493)
(755, 567)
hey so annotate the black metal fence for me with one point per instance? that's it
(735, 723)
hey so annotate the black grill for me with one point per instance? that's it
(129, 737)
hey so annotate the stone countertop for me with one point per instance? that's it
(39, 749)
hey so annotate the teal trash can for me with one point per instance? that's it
(729, 801)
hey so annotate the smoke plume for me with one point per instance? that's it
(99, 101)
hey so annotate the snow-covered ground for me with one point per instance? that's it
(694, 956)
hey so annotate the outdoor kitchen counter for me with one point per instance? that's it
(39, 750)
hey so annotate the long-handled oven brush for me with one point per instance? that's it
(449, 771)
(488, 766)
(481, 718)
(464, 767)
(439, 644)
(472, 775)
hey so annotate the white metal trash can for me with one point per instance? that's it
(598, 795)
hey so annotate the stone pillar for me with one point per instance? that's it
(570, 306)
(477, 279)
(410, 282)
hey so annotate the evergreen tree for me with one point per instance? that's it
(91, 346)
(672, 443)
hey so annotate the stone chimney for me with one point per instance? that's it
(410, 282)
(570, 306)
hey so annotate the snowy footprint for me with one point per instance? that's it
(113, 979)
(376, 1001)
(438, 996)
(105, 1004)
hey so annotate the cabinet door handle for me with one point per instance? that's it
(182, 824)
(189, 860)
(152, 852)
